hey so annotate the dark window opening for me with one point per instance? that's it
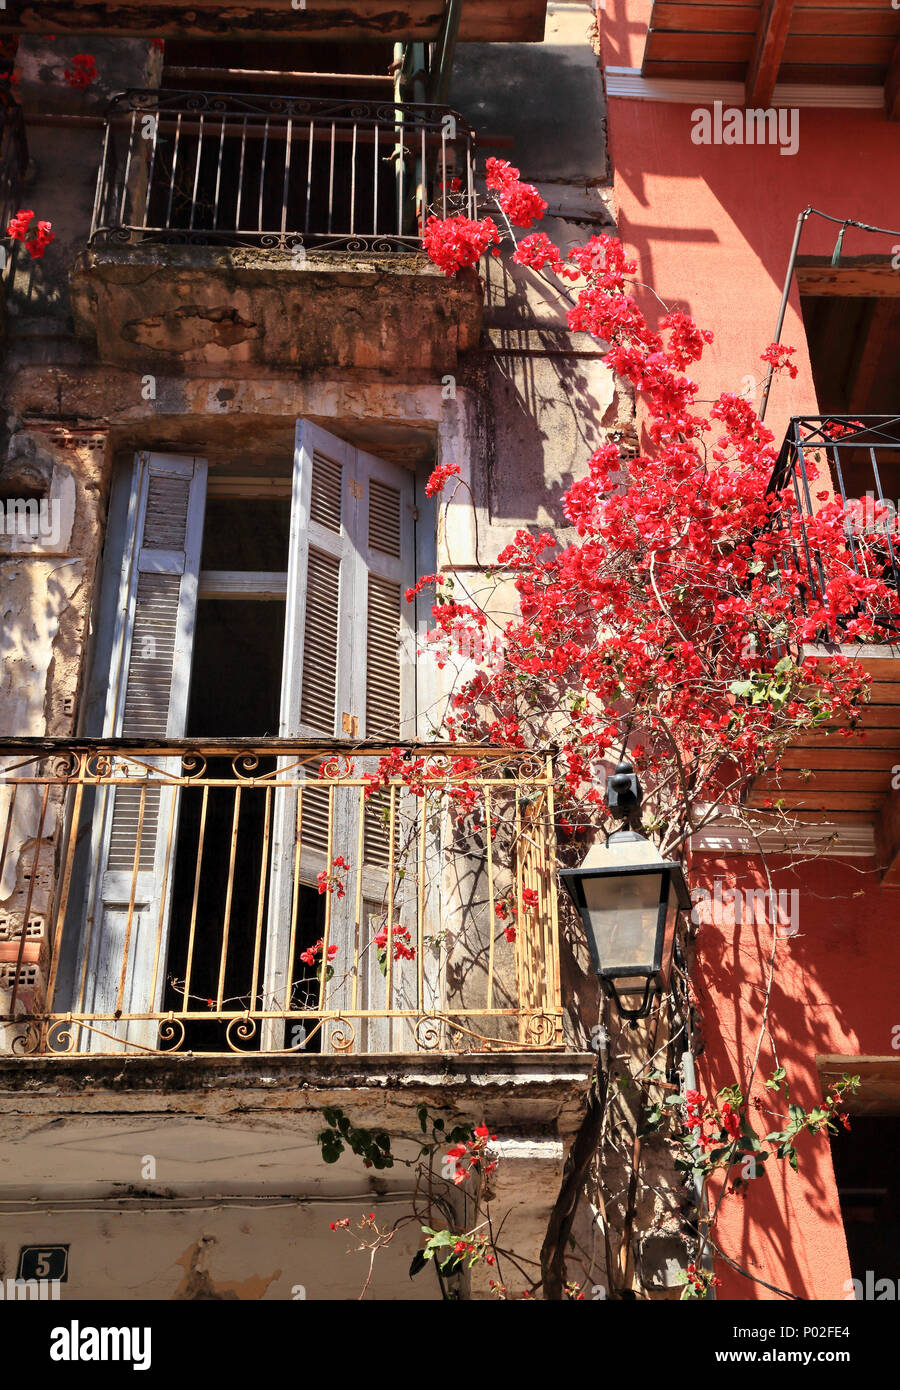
(854, 348)
(222, 863)
(868, 1185)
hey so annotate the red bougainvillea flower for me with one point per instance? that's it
(309, 956)
(456, 242)
(403, 950)
(439, 477)
(777, 356)
(521, 202)
(42, 236)
(82, 72)
(731, 1120)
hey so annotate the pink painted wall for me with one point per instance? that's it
(711, 228)
(832, 993)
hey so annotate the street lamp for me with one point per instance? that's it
(628, 897)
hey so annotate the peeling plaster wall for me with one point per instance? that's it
(278, 1251)
(46, 583)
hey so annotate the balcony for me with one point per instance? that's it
(276, 231)
(858, 458)
(182, 897)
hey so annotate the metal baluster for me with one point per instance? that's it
(287, 175)
(874, 458)
(101, 192)
(127, 172)
(401, 194)
(174, 169)
(443, 170)
(309, 163)
(240, 187)
(375, 195)
(262, 174)
(196, 173)
(151, 168)
(219, 175)
(331, 181)
(353, 180)
(848, 526)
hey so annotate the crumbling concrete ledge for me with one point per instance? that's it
(221, 306)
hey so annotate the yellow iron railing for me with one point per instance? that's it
(213, 896)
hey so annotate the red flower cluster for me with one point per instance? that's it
(309, 956)
(456, 242)
(699, 1280)
(82, 72)
(403, 949)
(43, 234)
(473, 1153)
(439, 477)
(713, 1124)
(507, 907)
(674, 597)
(521, 202)
(424, 583)
(777, 356)
(332, 882)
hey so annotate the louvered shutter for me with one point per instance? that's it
(349, 667)
(149, 682)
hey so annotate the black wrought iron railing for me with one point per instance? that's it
(212, 168)
(854, 460)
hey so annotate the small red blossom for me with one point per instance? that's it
(454, 243)
(312, 952)
(778, 357)
(82, 72)
(439, 477)
(19, 228)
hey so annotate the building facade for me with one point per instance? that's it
(226, 383)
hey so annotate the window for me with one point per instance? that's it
(246, 606)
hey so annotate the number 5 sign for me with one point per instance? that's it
(44, 1262)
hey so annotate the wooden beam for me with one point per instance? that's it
(242, 584)
(483, 21)
(887, 840)
(768, 47)
(865, 277)
(892, 86)
(879, 1092)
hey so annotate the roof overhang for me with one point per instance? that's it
(761, 42)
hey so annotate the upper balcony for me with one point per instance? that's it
(278, 231)
(220, 898)
(857, 458)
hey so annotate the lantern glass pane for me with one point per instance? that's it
(624, 911)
